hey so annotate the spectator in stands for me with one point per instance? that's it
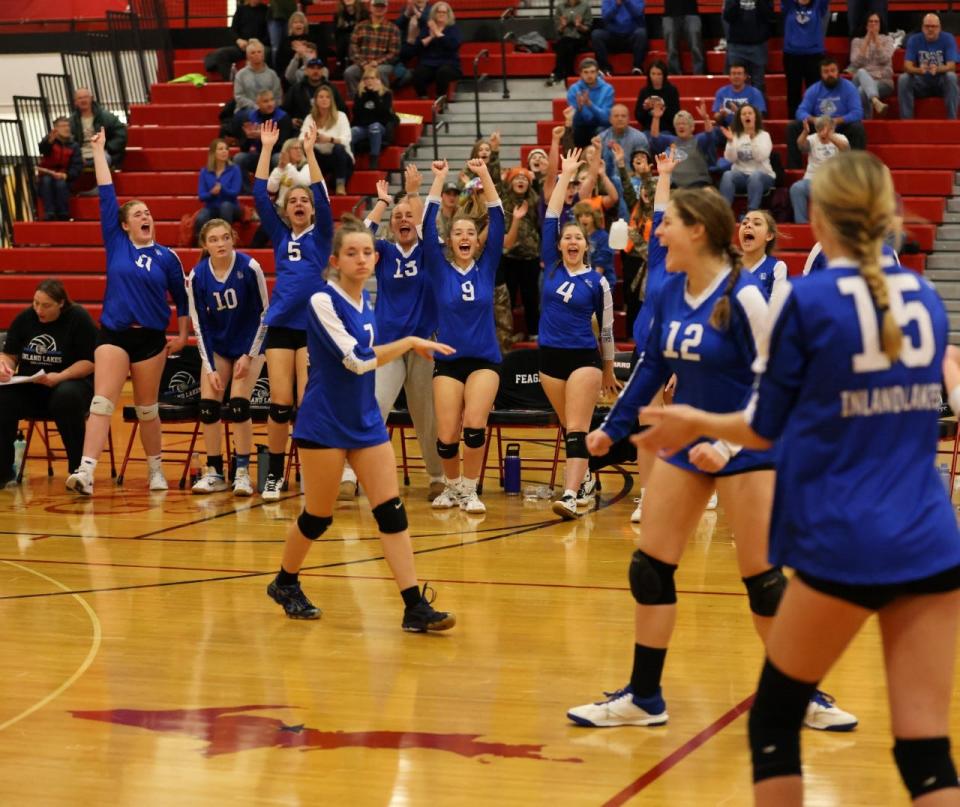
(279, 15)
(823, 145)
(929, 68)
(572, 22)
(591, 98)
(254, 78)
(623, 134)
(804, 45)
(449, 205)
(658, 89)
(87, 119)
(696, 154)
(624, 30)
(249, 22)
(833, 96)
(412, 24)
(871, 64)
(218, 187)
(683, 14)
(591, 222)
(596, 186)
(374, 121)
(250, 121)
(296, 65)
(537, 162)
(751, 24)
(520, 264)
(56, 337)
(299, 97)
(748, 151)
(438, 53)
(333, 138)
(297, 47)
(348, 14)
(857, 12)
(291, 172)
(728, 99)
(374, 42)
(488, 150)
(60, 164)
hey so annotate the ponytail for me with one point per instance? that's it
(868, 254)
(720, 316)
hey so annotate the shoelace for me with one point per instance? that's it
(429, 594)
(824, 699)
(617, 694)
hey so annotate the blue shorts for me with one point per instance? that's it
(743, 462)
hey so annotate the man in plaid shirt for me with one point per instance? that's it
(375, 41)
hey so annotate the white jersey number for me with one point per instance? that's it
(408, 269)
(565, 290)
(873, 359)
(226, 300)
(293, 251)
(692, 336)
(369, 328)
(467, 292)
(144, 261)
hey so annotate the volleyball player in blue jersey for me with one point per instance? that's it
(708, 322)
(851, 388)
(340, 420)
(133, 326)
(228, 303)
(464, 385)
(758, 239)
(301, 247)
(817, 260)
(572, 371)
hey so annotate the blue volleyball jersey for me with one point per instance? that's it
(464, 297)
(299, 260)
(138, 278)
(816, 260)
(768, 272)
(858, 499)
(229, 315)
(713, 367)
(570, 300)
(656, 271)
(405, 304)
(339, 407)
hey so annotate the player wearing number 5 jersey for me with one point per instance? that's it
(301, 248)
(133, 326)
(850, 389)
(572, 370)
(464, 385)
(228, 304)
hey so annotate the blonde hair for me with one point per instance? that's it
(211, 225)
(854, 193)
(291, 143)
(451, 19)
(297, 16)
(329, 120)
(372, 72)
(349, 225)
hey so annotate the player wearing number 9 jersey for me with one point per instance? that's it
(464, 385)
(850, 388)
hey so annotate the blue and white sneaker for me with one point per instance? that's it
(621, 709)
(823, 714)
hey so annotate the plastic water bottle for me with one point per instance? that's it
(19, 449)
(618, 235)
(511, 470)
(944, 471)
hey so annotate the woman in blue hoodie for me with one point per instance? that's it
(804, 44)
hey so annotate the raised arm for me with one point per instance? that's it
(432, 248)
(269, 134)
(412, 180)
(384, 201)
(309, 141)
(100, 166)
(568, 170)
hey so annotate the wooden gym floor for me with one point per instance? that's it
(143, 664)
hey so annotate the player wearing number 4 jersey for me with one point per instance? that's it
(850, 388)
(133, 326)
(228, 303)
(301, 248)
(707, 329)
(464, 385)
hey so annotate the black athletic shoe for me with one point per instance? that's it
(422, 617)
(294, 601)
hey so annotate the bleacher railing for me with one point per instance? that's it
(154, 32)
(16, 179)
(57, 90)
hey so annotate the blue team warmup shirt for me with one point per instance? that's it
(730, 100)
(138, 278)
(300, 260)
(464, 297)
(816, 260)
(921, 52)
(858, 499)
(768, 272)
(229, 315)
(339, 406)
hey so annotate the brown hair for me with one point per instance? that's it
(707, 207)
(212, 153)
(738, 123)
(330, 119)
(475, 151)
(349, 225)
(127, 206)
(854, 193)
(581, 209)
(55, 290)
(286, 201)
(771, 222)
(210, 225)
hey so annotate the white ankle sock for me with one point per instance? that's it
(88, 464)
(155, 462)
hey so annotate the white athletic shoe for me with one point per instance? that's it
(80, 482)
(242, 485)
(210, 482)
(271, 489)
(470, 503)
(566, 507)
(347, 491)
(637, 514)
(823, 714)
(587, 490)
(619, 709)
(156, 480)
(712, 504)
(449, 498)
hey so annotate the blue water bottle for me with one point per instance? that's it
(511, 470)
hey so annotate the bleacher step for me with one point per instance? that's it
(949, 232)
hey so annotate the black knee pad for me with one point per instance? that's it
(474, 438)
(391, 516)
(651, 580)
(775, 721)
(576, 443)
(280, 413)
(447, 451)
(238, 410)
(312, 526)
(209, 410)
(765, 590)
(925, 764)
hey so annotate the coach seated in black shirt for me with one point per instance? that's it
(58, 337)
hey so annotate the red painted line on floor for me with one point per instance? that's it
(650, 776)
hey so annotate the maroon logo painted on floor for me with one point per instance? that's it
(227, 730)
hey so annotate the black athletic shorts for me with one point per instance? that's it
(302, 443)
(560, 363)
(139, 344)
(279, 338)
(879, 596)
(461, 369)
